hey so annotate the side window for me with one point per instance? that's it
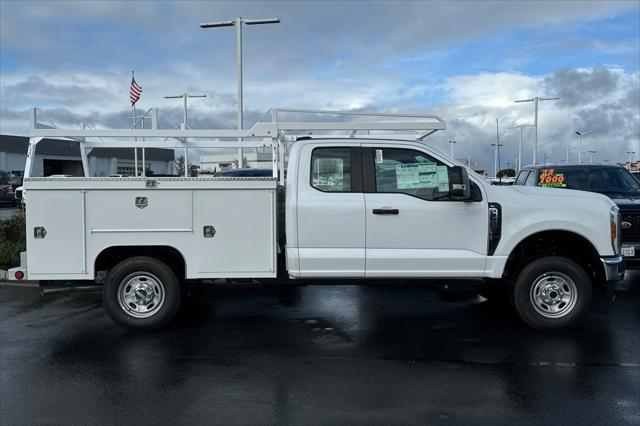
(410, 172)
(531, 179)
(331, 169)
(522, 177)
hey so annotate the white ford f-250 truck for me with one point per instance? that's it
(344, 207)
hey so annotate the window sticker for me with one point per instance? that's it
(407, 176)
(442, 178)
(550, 179)
(379, 158)
(412, 176)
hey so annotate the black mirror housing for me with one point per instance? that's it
(459, 184)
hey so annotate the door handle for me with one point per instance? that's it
(386, 211)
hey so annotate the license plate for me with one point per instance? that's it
(629, 251)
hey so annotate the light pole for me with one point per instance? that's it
(535, 108)
(591, 157)
(581, 134)
(496, 156)
(451, 142)
(630, 153)
(184, 124)
(184, 98)
(519, 164)
(238, 24)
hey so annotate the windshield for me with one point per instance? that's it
(609, 180)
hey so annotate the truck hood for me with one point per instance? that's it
(628, 201)
(527, 210)
(536, 194)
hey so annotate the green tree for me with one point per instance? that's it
(506, 173)
(13, 240)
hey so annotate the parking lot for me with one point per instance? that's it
(338, 354)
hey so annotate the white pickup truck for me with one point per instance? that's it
(354, 207)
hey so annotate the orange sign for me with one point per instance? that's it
(550, 179)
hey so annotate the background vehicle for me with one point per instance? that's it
(245, 173)
(374, 207)
(613, 181)
(7, 189)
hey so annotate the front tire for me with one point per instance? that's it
(551, 293)
(141, 293)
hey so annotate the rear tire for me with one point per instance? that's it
(141, 293)
(551, 293)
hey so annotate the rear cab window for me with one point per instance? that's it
(336, 169)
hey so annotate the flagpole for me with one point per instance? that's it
(135, 150)
(135, 118)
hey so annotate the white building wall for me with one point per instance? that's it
(217, 162)
(12, 161)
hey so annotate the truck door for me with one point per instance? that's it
(331, 215)
(412, 229)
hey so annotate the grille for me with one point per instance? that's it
(631, 234)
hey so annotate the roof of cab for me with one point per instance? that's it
(572, 166)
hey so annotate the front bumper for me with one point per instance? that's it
(614, 268)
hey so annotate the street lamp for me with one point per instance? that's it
(591, 157)
(184, 98)
(581, 134)
(451, 142)
(497, 155)
(519, 164)
(184, 124)
(535, 103)
(630, 153)
(238, 24)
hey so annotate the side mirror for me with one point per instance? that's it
(459, 184)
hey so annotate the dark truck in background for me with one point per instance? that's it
(615, 182)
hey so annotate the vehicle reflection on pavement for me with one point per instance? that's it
(342, 354)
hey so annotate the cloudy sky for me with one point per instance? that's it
(465, 61)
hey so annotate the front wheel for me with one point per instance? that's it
(141, 293)
(551, 293)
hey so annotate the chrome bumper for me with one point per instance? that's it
(613, 268)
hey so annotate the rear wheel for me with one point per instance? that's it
(551, 293)
(141, 293)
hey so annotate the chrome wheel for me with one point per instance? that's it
(141, 294)
(553, 295)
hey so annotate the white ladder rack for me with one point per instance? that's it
(263, 133)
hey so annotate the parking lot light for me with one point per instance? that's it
(630, 153)
(581, 134)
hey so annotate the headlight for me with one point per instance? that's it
(614, 219)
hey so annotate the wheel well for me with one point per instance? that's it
(555, 243)
(110, 256)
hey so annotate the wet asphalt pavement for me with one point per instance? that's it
(317, 355)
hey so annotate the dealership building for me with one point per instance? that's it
(55, 157)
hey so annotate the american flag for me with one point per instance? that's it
(135, 91)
